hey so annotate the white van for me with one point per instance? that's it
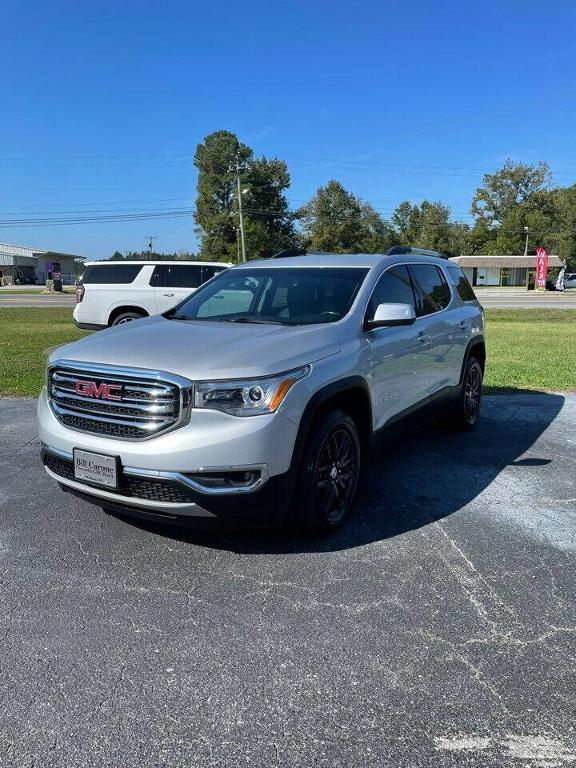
(114, 292)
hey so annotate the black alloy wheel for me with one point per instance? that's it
(329, 473)
(467, 411)
(472, 394)
(335, 475)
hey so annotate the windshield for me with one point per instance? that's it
(290, 296)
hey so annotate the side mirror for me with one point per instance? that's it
(392, 314)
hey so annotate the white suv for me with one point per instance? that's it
(115, 292)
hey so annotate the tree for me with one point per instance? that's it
(216, 160)
(565, 223)
(268, 223)
(377, 234)
(336, 220)
(538, 214)
(116, 256)
(512, 185)
(428, 225)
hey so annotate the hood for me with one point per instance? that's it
(205, 349)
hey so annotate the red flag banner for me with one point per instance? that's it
(541, 267)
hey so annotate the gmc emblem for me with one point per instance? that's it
(101, 391)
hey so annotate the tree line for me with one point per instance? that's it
(516, 197)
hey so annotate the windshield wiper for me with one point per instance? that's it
(244, 319)
(170, 316)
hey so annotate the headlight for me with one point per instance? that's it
(247, 397)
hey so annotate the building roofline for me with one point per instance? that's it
(35, 252)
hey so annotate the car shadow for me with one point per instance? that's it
(420, 477)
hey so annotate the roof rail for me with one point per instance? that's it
(288, 253)
(400, 249)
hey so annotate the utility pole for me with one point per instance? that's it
(150, 239)
(240, 217)
(526, 246)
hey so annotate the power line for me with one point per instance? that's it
(172, 158)
(50, 222)
(107, 202)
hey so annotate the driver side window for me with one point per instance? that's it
(394, 287)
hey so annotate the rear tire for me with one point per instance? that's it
(467, 411)
(126, 317)
(329, 474)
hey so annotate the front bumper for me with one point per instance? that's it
(173, 497)
(209, 441)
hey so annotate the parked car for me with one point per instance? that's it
(116, 292)
(569, 282)
(257, 398)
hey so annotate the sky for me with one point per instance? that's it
(102, 104)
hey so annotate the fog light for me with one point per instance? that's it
(235, 479)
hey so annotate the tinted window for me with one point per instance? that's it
(111, 273)
(209, 272)
(394, 287)
(293, 296)
(433, 294)
(176, 276)
(462, 285)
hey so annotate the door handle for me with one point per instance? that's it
(463, 325)
(423, 338)
(168, 294)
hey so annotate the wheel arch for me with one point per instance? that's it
(350, 395)
(126, 308)
(476, 348)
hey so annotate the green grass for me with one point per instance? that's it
(528, 349)
(25, 336)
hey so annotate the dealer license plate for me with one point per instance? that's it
(96, 468)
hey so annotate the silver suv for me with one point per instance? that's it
(256, 399)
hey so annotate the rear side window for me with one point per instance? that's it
(434, 293)
(462, 285)
(209, 272)
(394, 287)
(176, 276)
(112, 274)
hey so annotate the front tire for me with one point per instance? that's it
(467, 411)
(329, 473)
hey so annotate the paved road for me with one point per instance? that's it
(40, 300)
(437, 629)
(567, 300)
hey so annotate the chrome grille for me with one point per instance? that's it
(144, 403)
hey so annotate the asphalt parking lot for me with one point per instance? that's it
(438, 628)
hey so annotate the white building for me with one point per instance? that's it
(503, 270)
(35, 265)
